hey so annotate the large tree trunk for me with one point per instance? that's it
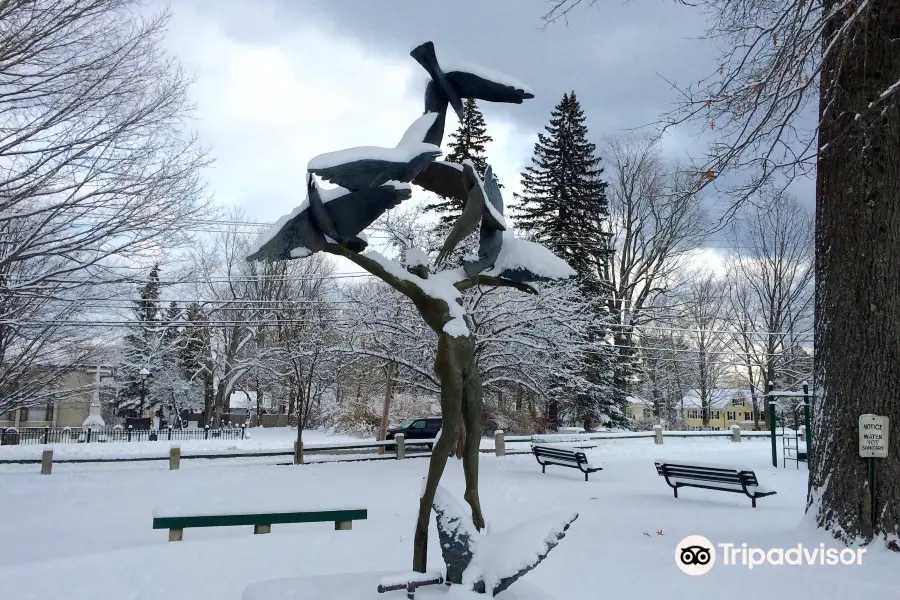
(857, 359)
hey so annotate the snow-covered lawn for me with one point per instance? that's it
(85, 531)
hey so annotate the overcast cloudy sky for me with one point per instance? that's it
(279, 81)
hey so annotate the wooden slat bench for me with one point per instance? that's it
(262, 521)
(711, 477)
(563, 456)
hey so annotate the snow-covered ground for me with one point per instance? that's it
(85, 531)
(259, 439)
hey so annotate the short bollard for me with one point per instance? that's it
(46, 462)
(401, 445)
(658, 434)
(736, 433)
(499, 443)
(174, 458)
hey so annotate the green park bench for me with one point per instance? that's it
(262, 521)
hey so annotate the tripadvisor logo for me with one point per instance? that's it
(696, 555)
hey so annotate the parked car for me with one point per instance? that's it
(424, 428)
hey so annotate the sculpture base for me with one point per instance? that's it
(362, 586)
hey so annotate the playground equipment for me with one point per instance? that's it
(790, 444)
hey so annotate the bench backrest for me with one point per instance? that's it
(707, 474)
(169, 521)
(561, 454)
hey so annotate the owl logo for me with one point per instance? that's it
(695, 555)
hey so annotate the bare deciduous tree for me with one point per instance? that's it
(656, 220)
(770, 274)
(836, 63)
(96, 168)
(704, 321)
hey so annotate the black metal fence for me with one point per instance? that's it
(86, 435)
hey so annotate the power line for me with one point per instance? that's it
(699, 330)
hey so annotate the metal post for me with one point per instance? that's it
(141, 409)
(770, 405)
(129, 432)
(206, 432)
(88, 436)
(170, 433)
(807, 406)
(46, 439)
(243, 430)
(872, 493)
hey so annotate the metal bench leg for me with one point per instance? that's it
(260, 529)
(675, 489)
(585, 476)
(343, 525)
(175, 535)
(543, 468)
(753, 498)
(410, 591)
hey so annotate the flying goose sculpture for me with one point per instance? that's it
(333, 216)
(452, 86)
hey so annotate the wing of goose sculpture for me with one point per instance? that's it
(372, 166)
(471, 214)
(444, 179)
(490, 238)
(474, 212)
(335, 215)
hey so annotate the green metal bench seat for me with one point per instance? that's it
(262, 521)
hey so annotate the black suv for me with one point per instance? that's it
(418, 429)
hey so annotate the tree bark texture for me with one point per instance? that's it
(857, 358)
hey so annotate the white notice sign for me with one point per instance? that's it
(873, 436)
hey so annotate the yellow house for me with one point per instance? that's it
(69, 410)
(726, 407)
(638, 409)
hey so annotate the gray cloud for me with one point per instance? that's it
(612, 58)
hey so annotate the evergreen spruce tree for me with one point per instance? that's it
(563, 205)
(466, 143)
(563, 202)
(196, 355)
(141, 345)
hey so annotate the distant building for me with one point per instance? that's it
(70, 407)
(243, 406)
(638, 409)
(727, 407)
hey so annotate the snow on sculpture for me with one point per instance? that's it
(493, 560)
(374, 180)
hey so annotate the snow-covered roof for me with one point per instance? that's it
(637, 400)
(719, 398)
